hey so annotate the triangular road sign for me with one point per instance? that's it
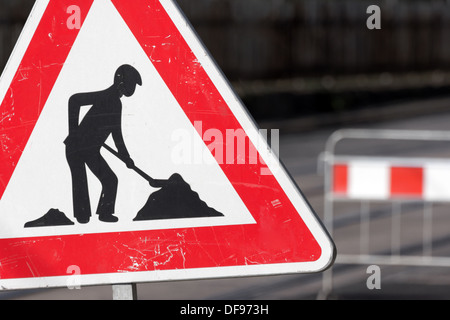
(122, 158)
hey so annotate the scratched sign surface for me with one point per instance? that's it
(126, 157)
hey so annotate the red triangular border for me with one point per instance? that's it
(279, 235)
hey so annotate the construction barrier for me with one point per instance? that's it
(396, 180)
(391, 178)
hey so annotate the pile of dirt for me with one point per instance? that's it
(176, 200)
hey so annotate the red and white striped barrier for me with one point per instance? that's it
(395, 178)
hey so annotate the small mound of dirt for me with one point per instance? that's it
(52, 218)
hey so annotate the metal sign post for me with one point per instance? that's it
(124, 291)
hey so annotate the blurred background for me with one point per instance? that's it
(309, 68)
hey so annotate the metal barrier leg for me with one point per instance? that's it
(396, 228)
(327, 276)
(365, 228)
(327, 284)
(428, 229)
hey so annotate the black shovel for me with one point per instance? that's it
(155, 183)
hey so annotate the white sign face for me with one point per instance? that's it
(157, 144)
(126, 154)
